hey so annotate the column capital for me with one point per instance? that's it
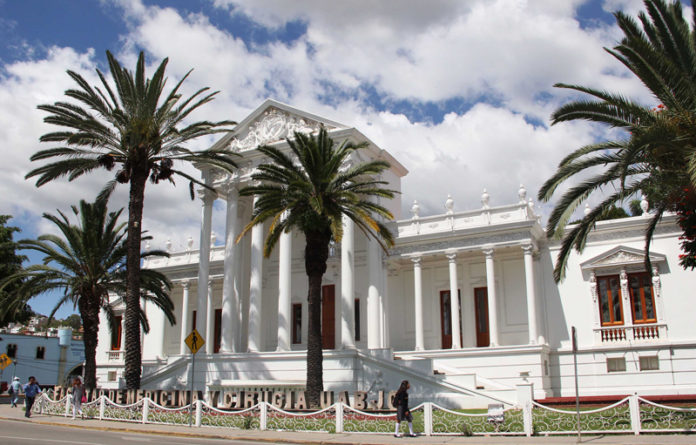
(528, 248)
(451, 256)
(207, 196)
(416, 260)
(185, 284)
(488, 251)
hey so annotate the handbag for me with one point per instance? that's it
(83, 399)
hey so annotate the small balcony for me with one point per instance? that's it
(115, 356)
(639, 333)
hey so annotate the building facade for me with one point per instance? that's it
(389, 316)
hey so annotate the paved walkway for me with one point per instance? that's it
(17, 414)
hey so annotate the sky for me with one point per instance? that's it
(456, 90)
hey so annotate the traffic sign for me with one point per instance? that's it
(194, 341)
(5, 361)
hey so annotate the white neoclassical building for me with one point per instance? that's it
(392, 316)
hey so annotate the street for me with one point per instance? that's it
(23, 433)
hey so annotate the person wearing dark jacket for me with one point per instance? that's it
(402, 410)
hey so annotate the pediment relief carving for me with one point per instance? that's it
(272, 126)
(621, 256)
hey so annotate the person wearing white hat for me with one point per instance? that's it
(15, 387)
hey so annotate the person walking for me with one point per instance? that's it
(402, 410)
(31, 390)
(15, 387)
(78, 393)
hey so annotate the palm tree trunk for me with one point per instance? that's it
(132, 312)
(89, 312)
(316, 254)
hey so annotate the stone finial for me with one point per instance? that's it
(415, 209)
(522, 193)
(587, 209)
(189, 243)
(485, 198)
(168, 245)
(530, 204)
(449, 204)
(644, 204)
(213, 238)
(147, 245)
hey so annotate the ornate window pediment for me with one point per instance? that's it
(621, 257)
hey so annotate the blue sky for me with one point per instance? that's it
(461, 91)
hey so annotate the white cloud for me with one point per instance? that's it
(415, 51)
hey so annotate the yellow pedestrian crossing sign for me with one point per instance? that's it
(194, 341)
(5, 361)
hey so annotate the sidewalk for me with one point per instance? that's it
(17, 414)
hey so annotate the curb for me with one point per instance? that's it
(181, 433)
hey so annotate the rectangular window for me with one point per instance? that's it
(297, 323)
(642, 298)
(217, 331)
(617, 364)
(649, 363)
(12, 350)
(610, 308)
(111, 376)
(40, 351)
(357, 319)
(116, 334)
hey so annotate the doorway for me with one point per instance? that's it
(446, 318)
(481, 306)
(328, 316)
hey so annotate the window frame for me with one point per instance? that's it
(40, 353)
(648, 276)
(297, 323)
(612, 321)
(115, 344)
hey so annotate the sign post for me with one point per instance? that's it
(194, 341)
(575, 366)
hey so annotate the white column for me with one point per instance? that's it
(184, 317)
(153, 341)
(531, 294)
(284, 296)
(454, 301)
(204, 263)
(492, 300)
(418, 302)
(255, 286)
(230, 292)
(210, 321)
(374, 313)
(347, 284)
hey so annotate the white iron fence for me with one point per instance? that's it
(633, 414)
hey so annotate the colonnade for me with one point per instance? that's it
(493, 303)
(231, 320)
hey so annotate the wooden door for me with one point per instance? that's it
(328, 316)
(481, 306)
(217, 332)
(446, 319)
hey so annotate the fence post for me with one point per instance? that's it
(68, 401)
(199, 409)
(428, 418)
(634, 409)
(102, 406)
(339, 417)
(146, 408)
(264, 416)
(527, 418)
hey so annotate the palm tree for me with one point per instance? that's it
(309, 190)
(657, 154)
(85, 264)
(142, 132)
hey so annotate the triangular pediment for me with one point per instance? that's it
(273, 122)
(621, 256)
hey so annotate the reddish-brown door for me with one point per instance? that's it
(218, 330)
(446, 319)
(328, 305)
(481, 305)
